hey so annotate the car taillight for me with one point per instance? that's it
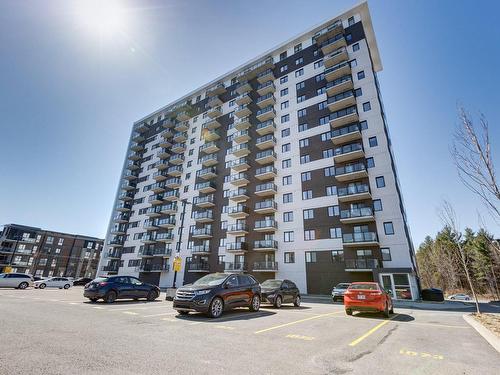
(103, 283)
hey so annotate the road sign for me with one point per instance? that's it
(177, 264)
(7, 269)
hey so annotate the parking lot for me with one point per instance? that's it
(59, 332)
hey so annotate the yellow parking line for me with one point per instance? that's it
(374, 329)
(300, 337)
(225, 327)
(297, 321)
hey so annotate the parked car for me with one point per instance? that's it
(82, 281)
(54, 282)
(278, 292)
(339, 290)
(37, 278)
(15, 280)
(367, 297)
(460, 297)
(216, 292)
(111, 288)
(432, 294)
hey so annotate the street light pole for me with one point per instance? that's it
(179, 242)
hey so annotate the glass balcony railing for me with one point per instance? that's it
(359, 237)
(362, 263)
(269, 223)
(266, 204)
(265, 244)
(347, 149)
(356, 212)
(350, 168)
(352, 190)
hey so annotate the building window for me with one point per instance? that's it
(49, 240)
(284, 92)
(377, 205)
(304, 142)
(309, 235)
(287, 163)
(287, 198)
(373, 141)
(348, 37)
(361, 74)
(301, 98)
(288, 236)
(283, 55)
(386, 254)
(350, 21)
(370, 163)
(322, 105)
(287, 180)
(305, 176)
(367, 106)
(60, 241)
(335, 232)
(297, 48)
(186, 189)
(310, 257)
(318, 64)
(331, 190)
(308, 214)
(223, 224)
(329, 171)
(307, 194)
(289, 257)
(286, 147)
(337, 256)
(333, 211)
(388, 228)
(285, 118)
(305, 159)
(299, 61)
(284, 79)
(299, 72)
(321, 90)
(301, 112)
(220, 259)
(191, 152)
(355, 47)
(285, 105)
(358, 92)
(285, 132)
(303, 127)
(283, 68)
(287, 216)
(328, 154)
(300, 85)
(222, 242)
(380, 181)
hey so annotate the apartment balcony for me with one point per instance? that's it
(118, 230)
(130, 175)
(342, 100)
(181, 127)
(202, 233)
(238, 195)
(214, 112)
(240, 150)
(214, 101)
(153, 268)
(265, 114)
(238, 212)
(155, 199)
(265, 173)
(126, 196)
(209, 148)
(166, 223)
(142, 127)
(266, 207)
(266, 189)
(242, 123)
(200, 250)
(238, 229)
(198, 267)
(266, 88)
(257, 68)
(241, 136)
(242, 111)
(166, 237)
(266, 127)
(351, 172)
(180, 137)
(235, 267)
(211, 124)
(354, 193)
(168, 209)
(134, 146)
(204, 202)
(346, 134)
(162, 165)
(265, 245)
(244, 87)
(239, 179)
(171, 196)
(337, 71)
(137, 137)
(209, 160)
(344, 117)
(265, 267)
(329, 32)
(357, 215)
(361, 265)
(211, 135)
(266, 75)
(335, 57)
(148, 238)
(114, 254)
(133, 165)
(150, 225)
(348, 152)
(121, 218)
(123, 207)
(203, 216)
(168, 123)
(360, 238)
(266, 100)
(269, 225)
(128, 185)
(236, 247)
(174, 171)
(165, 143)
(206, 187)
(167, 133)
(265, 157)
(160, 176)
(163, 153)
(134, 156)
(176, 159)
(183, 116)
(239, 165)
(178, 148)
(149, 252)
(243, 99)
(216, 90)
(332, 44)
(116, 241)
(153, 211)
(173, 183)
(265, 142)
(110, 268)
(207, 173)
(157, 188)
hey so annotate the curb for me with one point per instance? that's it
(489, 336)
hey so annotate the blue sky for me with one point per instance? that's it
(68, 98)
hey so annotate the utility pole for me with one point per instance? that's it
(179, 242)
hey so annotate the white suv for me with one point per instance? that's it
(15, 280)
(54, 282)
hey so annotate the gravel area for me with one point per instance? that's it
(490, 321)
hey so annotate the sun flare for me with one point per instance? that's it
(105, 18)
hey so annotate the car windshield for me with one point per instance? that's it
(101, 279)
(342, 286)
(364, 286)
(213, 279)
(271, 284)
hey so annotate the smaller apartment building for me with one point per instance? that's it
(47, 253)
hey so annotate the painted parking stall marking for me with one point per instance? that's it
(300, 337)
(412, 353)
(371, 331)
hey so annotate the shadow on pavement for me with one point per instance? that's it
(397, 317)
(284, 307)
(124, 302)
(228, 316)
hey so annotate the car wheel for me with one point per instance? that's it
(181, 312)
(216, 308)
(110, 297)
(93, 300)
(255, 305)
(23, 285)
(386, 311)
(348, 311)
(334, 299)
(66, 286)
(152, 295)
(42, 286)
(296, 302)
(277, 302)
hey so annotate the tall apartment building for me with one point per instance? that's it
(285, 167)
(47, 253)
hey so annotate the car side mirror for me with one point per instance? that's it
(228, 285)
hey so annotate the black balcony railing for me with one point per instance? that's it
(362, 263)
(359, 237)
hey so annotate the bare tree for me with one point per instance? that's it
(449, 218)
(471, 152)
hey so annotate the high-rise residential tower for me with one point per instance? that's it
(284, 169)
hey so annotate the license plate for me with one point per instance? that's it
(361, 296)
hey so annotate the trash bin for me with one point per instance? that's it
(432, 294)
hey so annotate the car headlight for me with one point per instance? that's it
(202, 292)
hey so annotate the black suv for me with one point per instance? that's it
(216, 292)
(278, 292)
(112, 288)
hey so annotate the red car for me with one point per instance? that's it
(367, 297)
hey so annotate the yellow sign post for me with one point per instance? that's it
(177, 263)
(7, 269)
